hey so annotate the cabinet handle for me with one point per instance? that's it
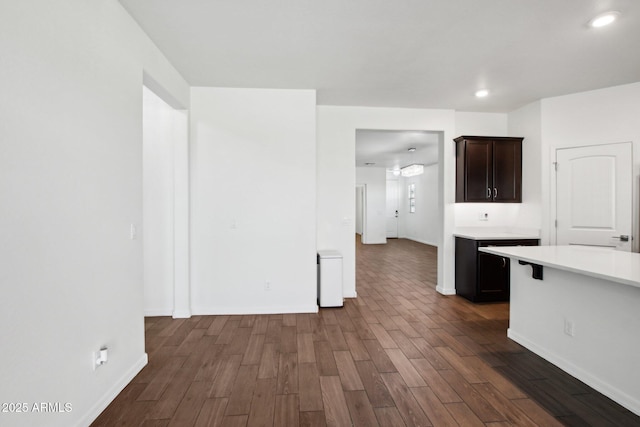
(488, 193)
(504, 262)
(495, 192)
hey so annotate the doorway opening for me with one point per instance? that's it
(398, 205)
(165, 209)
(404, 207)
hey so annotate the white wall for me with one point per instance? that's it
(500, 214)
(253, 210)
(526, 122)
(490, 124)
(375, 180)
(336, 179)
(71, 186)
(596, 117)
(424, 225)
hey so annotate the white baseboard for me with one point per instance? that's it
(111, 394)
(167, 311)
(215, 311)
(375, 242)
(424, 242)
(629, 402)
(445, 291)
(185, 314)
(157, 312)
(353, 294)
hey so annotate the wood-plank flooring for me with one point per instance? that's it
(398, 355)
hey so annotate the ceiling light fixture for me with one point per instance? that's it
(482, 93)
(411, 150)
(604, 19)
(412, 170)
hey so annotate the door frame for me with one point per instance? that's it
(553, 202)
(178, 237)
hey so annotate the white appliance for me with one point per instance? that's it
(330, 279)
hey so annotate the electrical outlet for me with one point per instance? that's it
(267, 285)
(569, 327)
(100, 357)
(483, 216)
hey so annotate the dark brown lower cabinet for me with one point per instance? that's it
(483, 277)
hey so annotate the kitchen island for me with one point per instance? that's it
(582, 313)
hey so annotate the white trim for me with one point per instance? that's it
(629, 402)
(553, 211)
(445, 291)
(181, 273)
(113, 392)
(156, 312)
(377, 242)
(181, 314)
(353, 294)
(225, 310)
(424, 242)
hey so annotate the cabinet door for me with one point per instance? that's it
(507, 171)
(493, 278)
(466, 275)
(478, 170)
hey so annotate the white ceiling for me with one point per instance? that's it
(405, 53)
(389, 148)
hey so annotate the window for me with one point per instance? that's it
(412, 198)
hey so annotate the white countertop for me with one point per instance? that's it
(603, 263)
(494, 233)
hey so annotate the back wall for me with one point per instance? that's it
(253, 202)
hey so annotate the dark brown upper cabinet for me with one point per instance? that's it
(488, 169)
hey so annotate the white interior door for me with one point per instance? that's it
(594, 196)
(392, 209)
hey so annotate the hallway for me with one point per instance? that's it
(399, 354)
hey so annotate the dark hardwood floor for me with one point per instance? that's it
(399, 355)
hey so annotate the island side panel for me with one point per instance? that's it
(605, 320)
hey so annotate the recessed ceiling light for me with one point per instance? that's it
(411, 150)
(604, 19)
(482, 93)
